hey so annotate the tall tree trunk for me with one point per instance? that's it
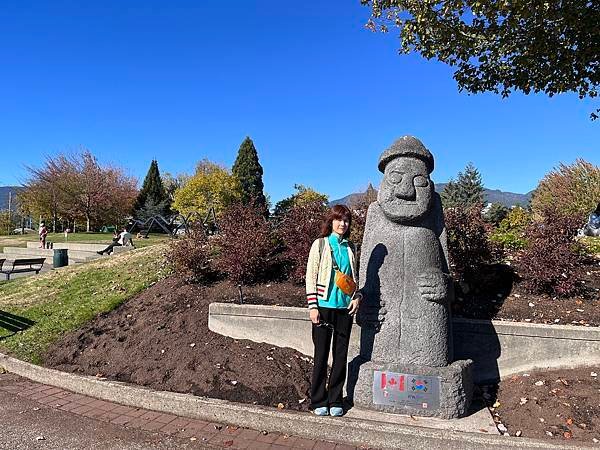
(87, 218)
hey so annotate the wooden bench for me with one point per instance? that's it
(19, 266)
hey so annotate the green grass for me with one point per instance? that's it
(591, 244)
(63, 300)
(18, 240)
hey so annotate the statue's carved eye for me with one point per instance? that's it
(395, 177)
(421, 181)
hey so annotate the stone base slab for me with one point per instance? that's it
(451, 401)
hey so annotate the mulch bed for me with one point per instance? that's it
(161, 339)
(557, 404)
(499, 295)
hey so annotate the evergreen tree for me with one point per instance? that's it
(467, 190)
(470, 186)
(152, 196)
(450, 197)
(249, 172)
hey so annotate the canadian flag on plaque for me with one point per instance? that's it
(392, 381)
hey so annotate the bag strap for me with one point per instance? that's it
(333, 261)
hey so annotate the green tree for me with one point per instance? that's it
(303, 196)
(495, 213)
(449, 195)
(500, 46)
(153, 198)
(570, 189)
(212, 186)
(467, 190)
(249, 172)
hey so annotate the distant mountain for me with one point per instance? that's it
(490, 196)
(4, 194)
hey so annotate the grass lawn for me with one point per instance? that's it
(62, 300)
(18, 240)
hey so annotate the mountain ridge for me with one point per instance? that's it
(507, 199)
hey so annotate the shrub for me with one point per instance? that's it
(569, 189)
(510, 234)
(590, 245)
(468, 242)
(495, 213)
(548, 263)
(245, 243)
(192, 255)
(297, 229)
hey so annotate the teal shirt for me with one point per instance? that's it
(335, 297)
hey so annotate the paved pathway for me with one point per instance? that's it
(34, 415)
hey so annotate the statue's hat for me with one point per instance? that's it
(406, 146)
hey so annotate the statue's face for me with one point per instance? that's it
(406, 191)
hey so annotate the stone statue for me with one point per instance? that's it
(412, 288)
(405, 316)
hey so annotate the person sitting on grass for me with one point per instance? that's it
(124, 238)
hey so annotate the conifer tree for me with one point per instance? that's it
(249, 172)
(470, 186)
(153, 198)
(467, 190)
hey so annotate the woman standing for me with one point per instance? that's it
(332, 301)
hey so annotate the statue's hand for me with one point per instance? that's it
(434, 286)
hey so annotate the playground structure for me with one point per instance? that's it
(175, 225)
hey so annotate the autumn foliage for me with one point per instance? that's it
(77, 188)
(245, 243)
(192, 255)
(469, 245)
(548, 263)
(297, 229)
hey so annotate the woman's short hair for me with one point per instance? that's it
(337, 212)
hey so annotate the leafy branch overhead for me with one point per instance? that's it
(501, 46)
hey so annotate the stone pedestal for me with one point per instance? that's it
(443, 392)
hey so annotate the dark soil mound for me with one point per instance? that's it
(558, 404)
(498, 294)
(161, 339)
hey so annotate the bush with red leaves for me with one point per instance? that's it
(297, 229)
(548, 263)
(245, 242)
(469, 245)
(192, 255)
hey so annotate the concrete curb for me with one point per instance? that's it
(373, 433)
(498, 348)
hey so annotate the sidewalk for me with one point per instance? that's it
(32, 411)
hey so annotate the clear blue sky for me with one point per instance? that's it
(319, 94)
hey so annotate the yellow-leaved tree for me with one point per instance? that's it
(211, 186)
(569, 189)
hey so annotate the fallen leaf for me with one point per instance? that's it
(523, 401)
(518, 433)
(569, 421)
(483, 430)
(228, 443)
(567, 435)
(280, 406)
(539, 383)
(496, 405)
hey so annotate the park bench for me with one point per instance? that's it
(19, 266)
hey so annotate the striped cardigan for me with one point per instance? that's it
(318, 271)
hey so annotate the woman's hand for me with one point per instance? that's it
(354, 304)
(314, 315)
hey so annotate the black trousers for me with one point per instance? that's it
(321, 393)
(109, 249)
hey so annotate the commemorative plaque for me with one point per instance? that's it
(408, 390)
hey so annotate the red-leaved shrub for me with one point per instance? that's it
(191, 254)
(298, 229)
(469, 245)
(548, 263)
(245, 243)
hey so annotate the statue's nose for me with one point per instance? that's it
(405, 189)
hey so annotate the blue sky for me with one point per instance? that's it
(319, 94)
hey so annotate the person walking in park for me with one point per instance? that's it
(124, 238)
(331, 280)
(43, 232)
